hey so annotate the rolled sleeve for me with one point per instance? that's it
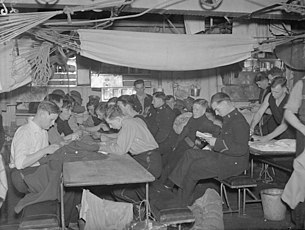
(124, 141)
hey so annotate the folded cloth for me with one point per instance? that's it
(104, 214)
(43, 185)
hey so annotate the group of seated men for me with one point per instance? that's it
(144, 125)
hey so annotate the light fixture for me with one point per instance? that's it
(210, 4)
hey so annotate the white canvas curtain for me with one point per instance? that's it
(169, 52)
(13, 68)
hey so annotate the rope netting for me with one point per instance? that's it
(14, 24)
(33, 61)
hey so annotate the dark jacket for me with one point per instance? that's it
(202, 124)
(164, 120)
(137, 104)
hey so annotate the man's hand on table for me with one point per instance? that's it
(63, 143)
(104, 127)
(104, 138)
(260, 138)
(102, 148)
(96, 135)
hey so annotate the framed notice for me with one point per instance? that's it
(106, 80)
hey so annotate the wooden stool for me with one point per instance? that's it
(42, 215)
(44, 221)
(240, 183)
(176, 216)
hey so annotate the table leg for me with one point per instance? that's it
(251, 168)
(264, 174)
(62, 211)
(147, 204)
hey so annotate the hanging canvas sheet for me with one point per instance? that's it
(12, 69)
(168, 52)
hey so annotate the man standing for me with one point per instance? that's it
(294, 192)
(228, 157)
(276, 100)
(262, 82)
(141, 100)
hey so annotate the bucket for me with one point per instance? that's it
(195, 92)
(273, 207)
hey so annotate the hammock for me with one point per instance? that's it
(12, 25)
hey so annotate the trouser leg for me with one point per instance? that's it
(180, 171)
(298, 215)
(72, 197)
(151, 161)
(202, 166)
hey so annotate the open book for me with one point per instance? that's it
(203, 135)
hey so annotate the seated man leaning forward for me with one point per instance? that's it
(229, 154)
(30, 142)
(134, 138)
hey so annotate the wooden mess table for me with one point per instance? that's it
(277, 153)
(112, 170)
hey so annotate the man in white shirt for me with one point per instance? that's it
(30, 142)
(30, 146)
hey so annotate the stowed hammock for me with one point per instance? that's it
(167, 52)
(29, 60)
(12, 25)
(26, 60)
(140, 50)
(20, 68)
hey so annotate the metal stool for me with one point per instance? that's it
(176, 216)
(240, 183)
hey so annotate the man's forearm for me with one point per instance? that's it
(278, 131)
(293, 120)
(255, 121)
(33, 158)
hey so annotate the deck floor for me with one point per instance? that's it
(254, 218)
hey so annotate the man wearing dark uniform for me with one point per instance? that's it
(163, 120)
(187, 138)
(228, 157)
